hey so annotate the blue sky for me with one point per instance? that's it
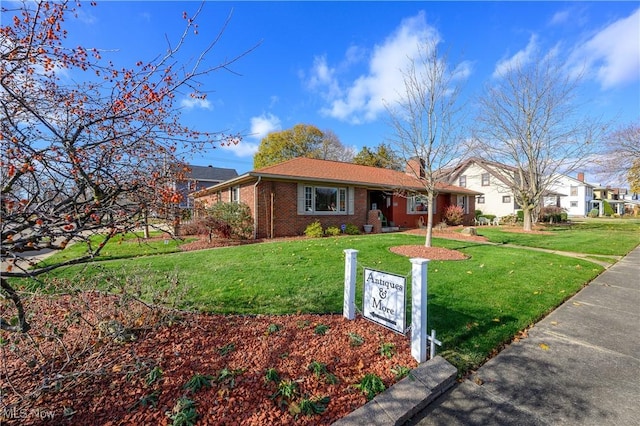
(330, 64)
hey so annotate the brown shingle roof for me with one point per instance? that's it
(309, 169)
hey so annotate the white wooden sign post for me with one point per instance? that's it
(384, 282)
(349, 304)
(419, 309)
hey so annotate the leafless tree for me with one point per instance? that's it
(332, 149)
(530, 120)
(426, 121)
(620, 160)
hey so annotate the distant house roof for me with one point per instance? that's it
(313, 170)
(495, 169)
(210, 173)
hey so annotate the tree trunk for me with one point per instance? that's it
(146, 224)
(526, 212)
(427, 241)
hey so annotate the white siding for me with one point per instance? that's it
(493, 192)
(581, 199)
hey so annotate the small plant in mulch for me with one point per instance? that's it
(184, 412)
(271, 375)
(273, 328)
(153, 376)
(287, 389)
(319, 369)
(387, 350)
(355, 339)
(197, 382)
(401, 371)
(149, 400)
(321, 329)
(286, 392)
(370, 385)
(226, 349)
(228, 376)
(310, 406)
(302, 323)
(288, 395)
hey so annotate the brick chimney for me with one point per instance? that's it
(581, 177)
(415, 167)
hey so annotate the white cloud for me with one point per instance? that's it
(521, 57)
(612, 55)
(191, 103)
(264, 124)
(463, 70)
(354, 55)
(364, 97)
(242, 148)
(561, 17)
(261, 126)
(323, 78)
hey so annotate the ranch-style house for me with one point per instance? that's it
(285, 198)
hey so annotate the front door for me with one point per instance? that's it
(378, 200)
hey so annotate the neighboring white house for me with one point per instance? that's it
(620, 199)
(483, 176)
(576, 195)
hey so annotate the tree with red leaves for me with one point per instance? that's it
(88, 158)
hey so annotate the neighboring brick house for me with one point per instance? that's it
(285, 198)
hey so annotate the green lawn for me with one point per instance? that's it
(120, 247)
(474, 305)
(596, 236)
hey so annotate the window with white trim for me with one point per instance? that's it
(235, 194)
(418, 204)
(573, 191)
(573, 204)
(462, 181)
(462, 202)
(485, 179)
(325, 199)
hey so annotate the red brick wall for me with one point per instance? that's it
(279, 199)
(287, 221)
(405, 220)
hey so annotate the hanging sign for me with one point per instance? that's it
(384, 299)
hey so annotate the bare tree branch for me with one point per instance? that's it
(426, 121)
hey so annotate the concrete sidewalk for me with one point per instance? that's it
(579, 366)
